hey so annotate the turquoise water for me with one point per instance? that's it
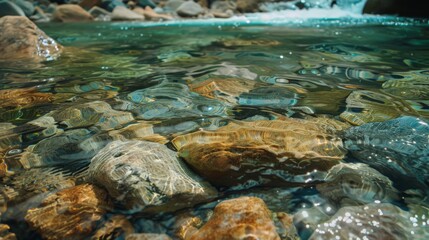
(354, 70)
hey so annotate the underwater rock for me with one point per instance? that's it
(248, 42)
(233, 71)
(145, 175)
(189, 9)
(147, 236)
(398, 148)
(366, 106)
(372, 221)
(356, 183)
(70, 213)
(97, 113)
(5, 234)
(83, 87)
(225, 89)
(273, 96)
(239, 218)
(326, 102)
(60, 149)
(114, 228)
(22, 40)
(23, 97)
(29, 187)
(172, 100)
(71, 13)
(264, 151)
(414, 86)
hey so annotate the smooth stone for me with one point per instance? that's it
(69, 214)
(398, 148)
(372, 221)
(71, 13)
(26, 6)
(150, 14)
(88, 4)
(277, 152)
(22, 40)
(173, 5)
(99, 14)
(356, 183)
(223, 6)
(248, 5)
(189, 9)
(121, 13)
(8, 8)
(23, 97)
(239, 218)
(147, 236)
(147, 176)
(146, 3)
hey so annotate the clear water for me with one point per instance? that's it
(324, 60)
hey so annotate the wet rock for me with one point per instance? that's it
(143, 175)
(173, 5)
(115, 227)
(26, 6)
(273, 96)
(23, 97)
(146, 3)
(5, 234)
(22, 40)
(172, 100)
(366, 106)
(325, 102)
(353, 184)
(189, 9)
(233, 71)
(27, 188)
(56, 150)
(8, 8)
(70, 213)
(121, 13)
(98, 113)
(398, 148)
(150, 14)
(100, 14)
(223, 6)
(248, 5)
(240, 218)
(236, 42)
(88, 4)
(71, 13)
(404, 8)
(263, 152)
(372, 221)
(226, 89)
(148, 236)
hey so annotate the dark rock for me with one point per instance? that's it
(71, 13)
(88, 4)
(190, 9)
(405, 8)
(26, 6)
(146, 3)
(10, 9)
(248, 5)
(20, 39)
(109, 5)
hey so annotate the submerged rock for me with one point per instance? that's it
(366, 106)
(23, 97)
(97, 113)
(22, 40)
(71, 13)
(172, 100)
(148, 236)
(264, 152)
(398, 148)
(144, 174)
(70, 213)
(351, 184)
(273, 96)
(115, 227)
(5, 234)
(372, 221)
(240, 218)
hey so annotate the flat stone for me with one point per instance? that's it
(22, 40)
(143, 175)
(121, 13)
(71, 13)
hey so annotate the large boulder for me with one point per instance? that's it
(71, 13)
(21, 39)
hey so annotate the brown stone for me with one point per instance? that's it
(115, 227)
(21, 39)
(150, 14)
(23, 97)
(71, 13)
(248, 5)
(88, 4)
(5, 234)
(70, 213)
(238, 152)
(148, 236)
(240, 218)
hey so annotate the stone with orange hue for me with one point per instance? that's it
(22, 40)
(114, 228)
(5, 234)
(71, 13)
(70, 213)
(226, 89)
(248, 42)
(150, 14)
(23, 97)
(268, 152)
(240, 218)
(147, 236)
